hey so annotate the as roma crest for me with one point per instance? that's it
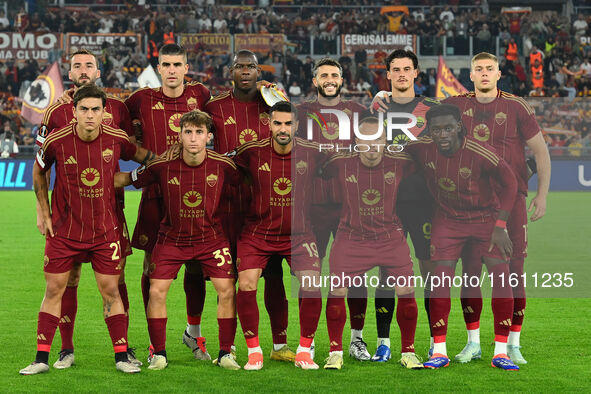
(465, 172)
(107, 118)
(107, 155)
(389, 177)
(211, 179)
(264, 118)
(500, 118)
(301, 167)
(192, 103)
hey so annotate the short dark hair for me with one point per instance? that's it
(444, 110)
(401, 54)
(244, 53)
(196, 118)
(284, 106)
(326, 61)
(89, 90)
(173, 50)
(84, 52)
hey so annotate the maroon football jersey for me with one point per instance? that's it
(236, 122)
(59, 115)
(506, 124)
(83, 198)
(191, 196)
(461, 184)
(160, 115)
(306, 161)
(368, 194)
(325, 130)
(269, 215)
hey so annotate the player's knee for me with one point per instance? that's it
(158, 292)
(226, 294)
(405, 292)
(54, 290)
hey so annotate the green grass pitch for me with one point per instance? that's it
(555, 339)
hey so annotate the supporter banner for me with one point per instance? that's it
(585, 40)
(374, 43)
(259, 42)
(94, 42)
(447, 84)
(211, 44)
(42, 93)
(24, 46)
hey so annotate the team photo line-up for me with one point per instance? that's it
(266, 192)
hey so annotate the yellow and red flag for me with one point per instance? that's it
(447, 85)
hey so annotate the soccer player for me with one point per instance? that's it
(157, 113)
(415, 204)
(240, 116)
(507, 123)
(191, 185)
(370, 235)
(270, 232)
(82, 224)
(84, 70)
(459, 172)
(325, 211)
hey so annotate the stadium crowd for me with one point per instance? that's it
(543, 51)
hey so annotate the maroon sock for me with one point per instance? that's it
(440, 302)
(46, 326)
(227, 332)
(125, 301)
(194, 285)
(502, 301)
(145, 291)
(310, 309)
(118, 332)
(157, 331)
(68, 316)
(471, 308)
(406, 316)
(336, 317)
(248, 312)
(276, 305)
(357, 302)
(516, 268)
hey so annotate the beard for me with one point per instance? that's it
(323, 93)
(280, 142)
(78, 84)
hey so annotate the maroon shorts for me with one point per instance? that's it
(300, 253)
(213, 256)
(517, 227)
(123, 232)
(449, 237)
(62, 253)
(351, 258)
(325, 220)
(150, 214)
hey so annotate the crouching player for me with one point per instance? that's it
(459, 172)
(370, 235)
(191, 183)
(270, 231)
(82, 224)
